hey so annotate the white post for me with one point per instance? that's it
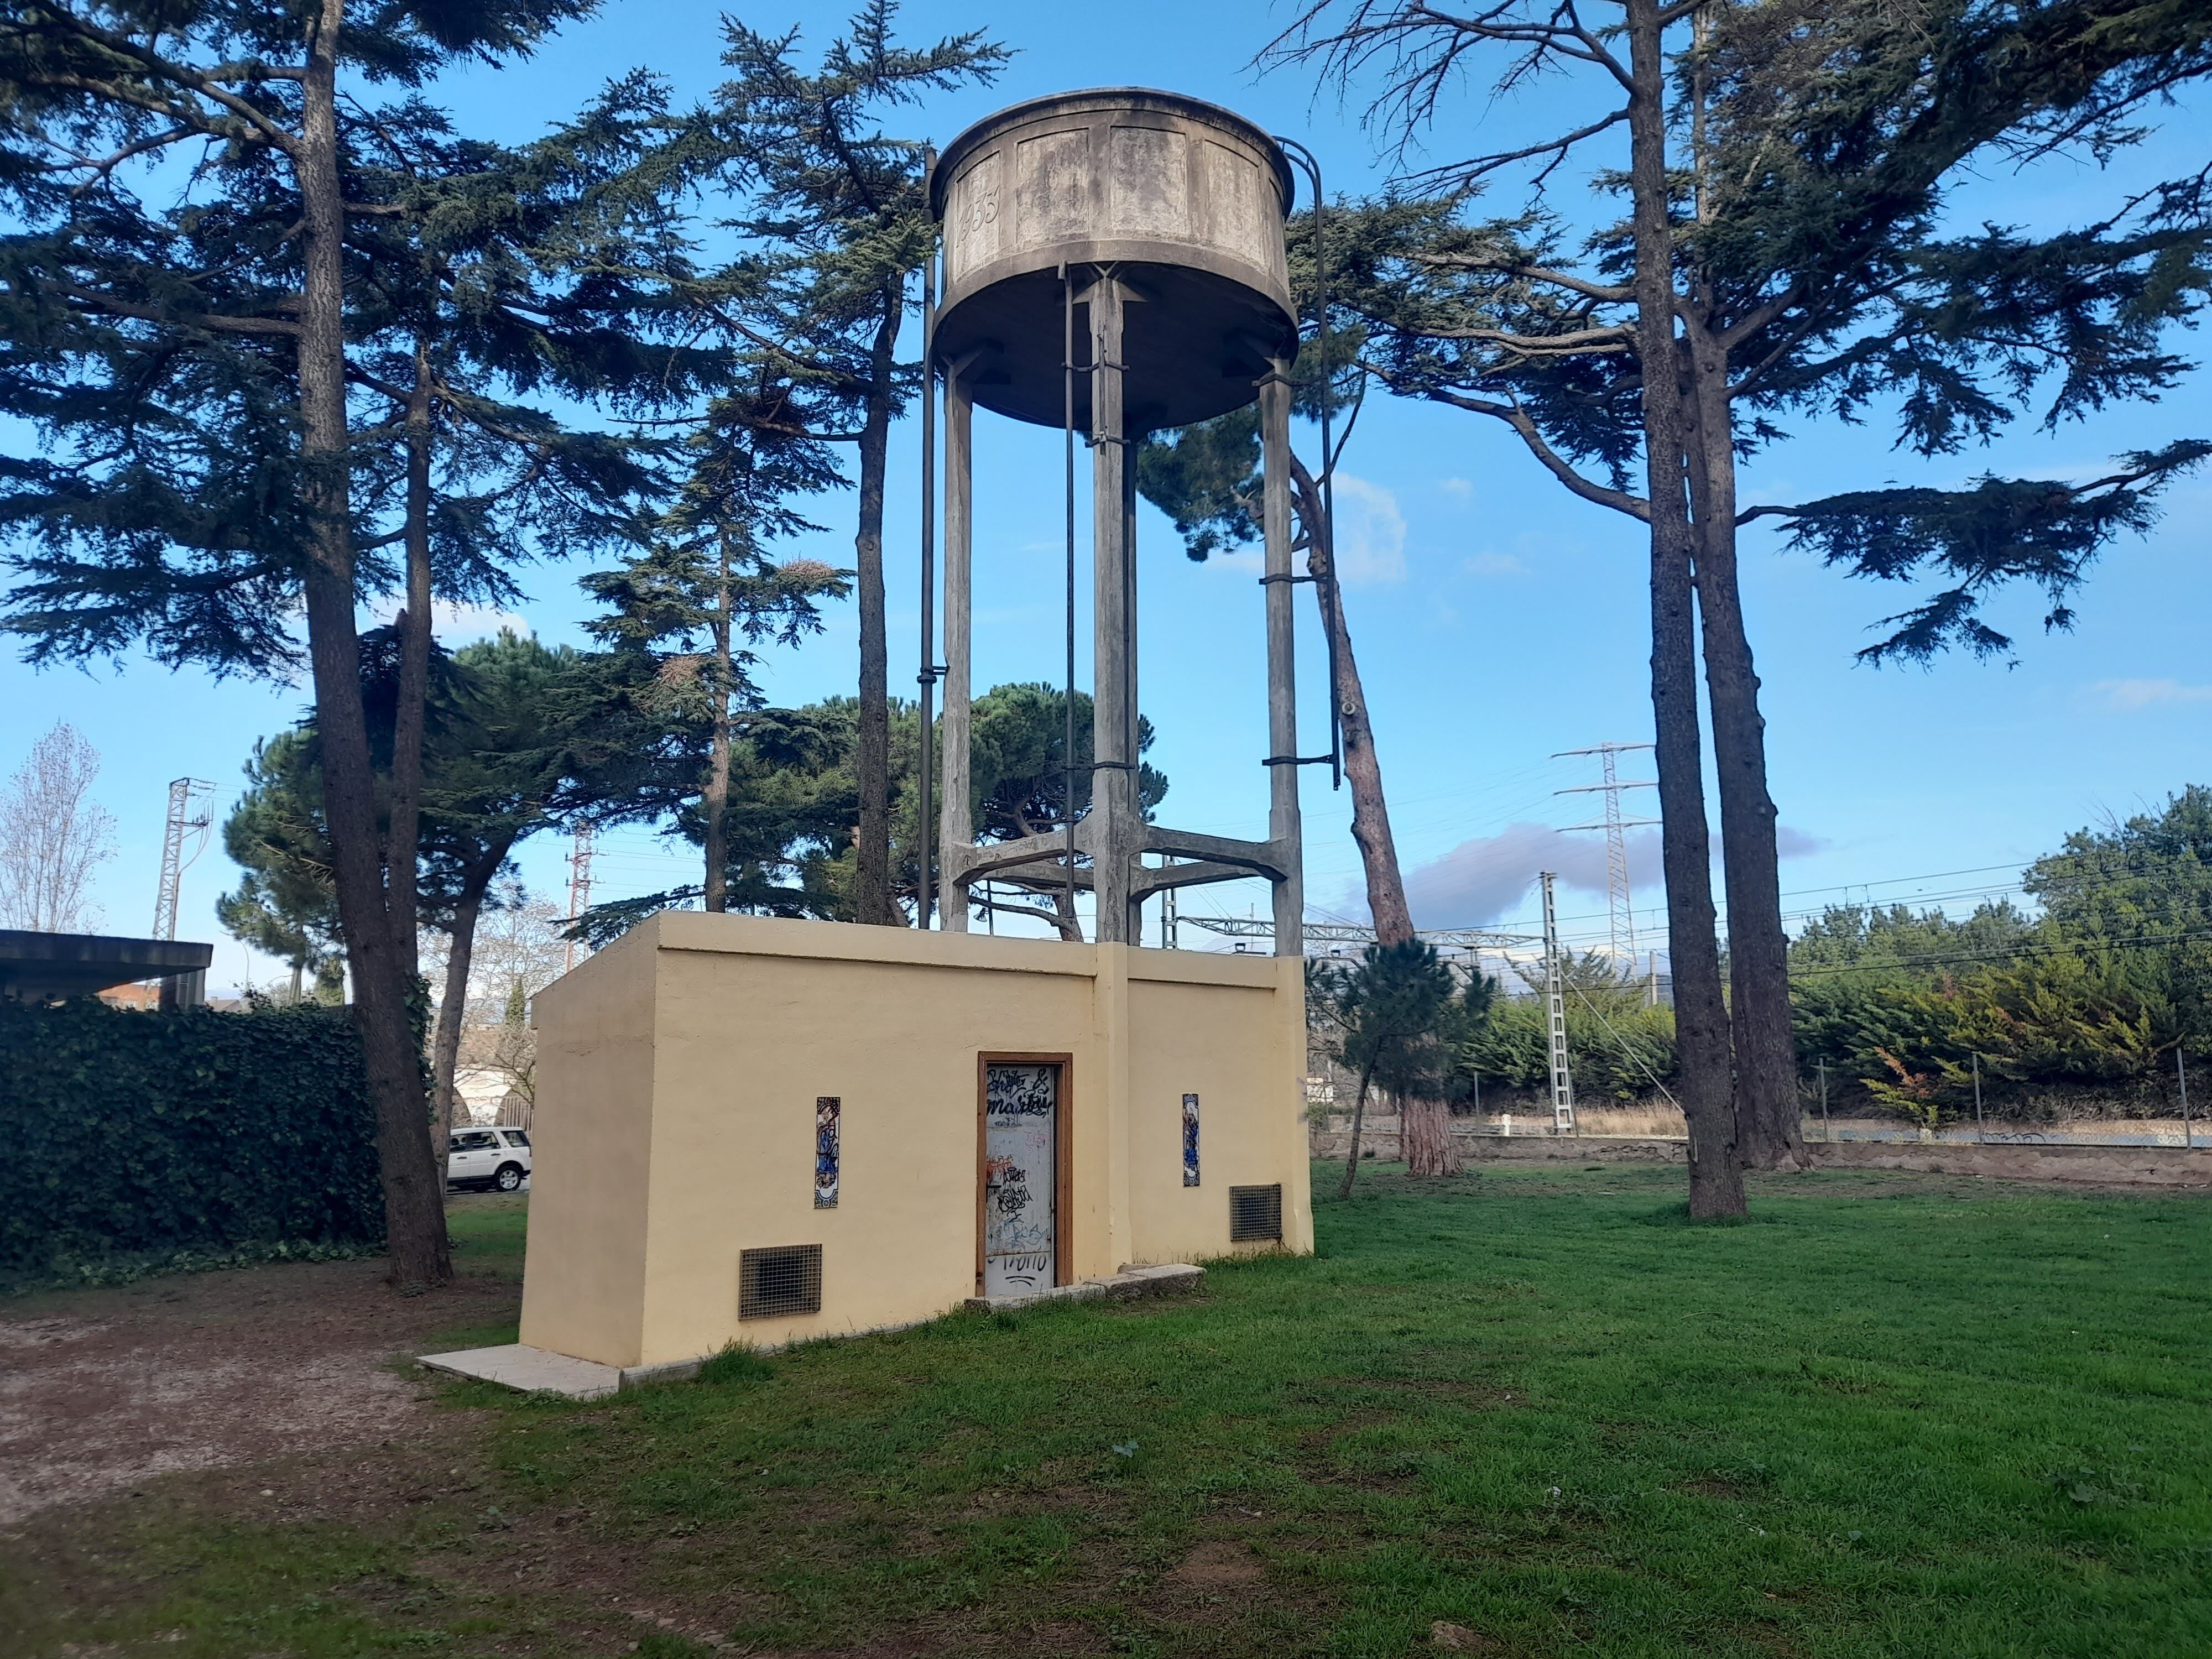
(2181, 1073)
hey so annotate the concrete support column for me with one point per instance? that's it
(1283, 825)
(956, 826)
(1117, 824)
(1113, 1116)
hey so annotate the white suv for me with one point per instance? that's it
(488, 1158)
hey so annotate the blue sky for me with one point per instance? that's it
(1498, 620)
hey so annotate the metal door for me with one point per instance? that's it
(1021, 1133)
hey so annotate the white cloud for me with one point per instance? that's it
(1496, 564)
(1371, 541)
(2125, 696)
(1488, 879)
(1796, 843)
(1484, 880)
(1462, 487)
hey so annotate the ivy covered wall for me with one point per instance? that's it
(127, 1135)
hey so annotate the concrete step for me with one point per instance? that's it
(532, 1370)
(1169, 1278)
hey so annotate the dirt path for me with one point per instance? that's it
(101, 1389)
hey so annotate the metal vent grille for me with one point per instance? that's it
(1255, 1212)
(779, 1282)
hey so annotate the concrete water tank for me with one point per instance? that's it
(1183, 199)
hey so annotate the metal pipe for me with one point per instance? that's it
(1307, 160)
(927, 676)
(1068, 433)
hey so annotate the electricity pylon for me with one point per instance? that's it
(1617, 897)
(579, 885)
(190, 814)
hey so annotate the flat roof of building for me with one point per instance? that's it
(42, 965)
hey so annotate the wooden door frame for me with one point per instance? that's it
(1062, 1163)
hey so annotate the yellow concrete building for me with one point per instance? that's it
(758, 1131)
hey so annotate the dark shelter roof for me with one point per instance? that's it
(35, 967)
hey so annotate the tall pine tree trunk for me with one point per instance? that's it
(403, 833)
(1425, 1130)
(1701, 1018)
(1362, 770)
(453, 998)
(871, 875)
(414, 1193)
(715, 801)
(1425, 1124)
(1769, 1128)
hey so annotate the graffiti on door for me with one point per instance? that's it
(1021, 1111)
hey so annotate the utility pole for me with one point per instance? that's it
(579, 884)
(1555, 997)
(1616, 906)
(1168, 919)
(192, 802)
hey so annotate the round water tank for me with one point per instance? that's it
(1184, 201)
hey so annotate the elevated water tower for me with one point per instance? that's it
(1113, 265)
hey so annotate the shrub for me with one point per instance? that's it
(129, 1134)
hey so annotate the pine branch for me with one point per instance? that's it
(1552, 462)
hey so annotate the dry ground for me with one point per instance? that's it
(101, 1390)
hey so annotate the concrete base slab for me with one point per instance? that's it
(1170, 1278)
(533, 1371)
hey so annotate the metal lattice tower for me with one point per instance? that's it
(1555, 1010)
(1618, 909)
(192, 815)
(579, 884)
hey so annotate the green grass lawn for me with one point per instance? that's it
(1895, 1416)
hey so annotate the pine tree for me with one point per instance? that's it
(1019, 774)
(705, 593)
(1786, 244)
(834, 224)
(285, 904)
(204, 269)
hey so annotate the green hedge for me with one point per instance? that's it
(127, 1135)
